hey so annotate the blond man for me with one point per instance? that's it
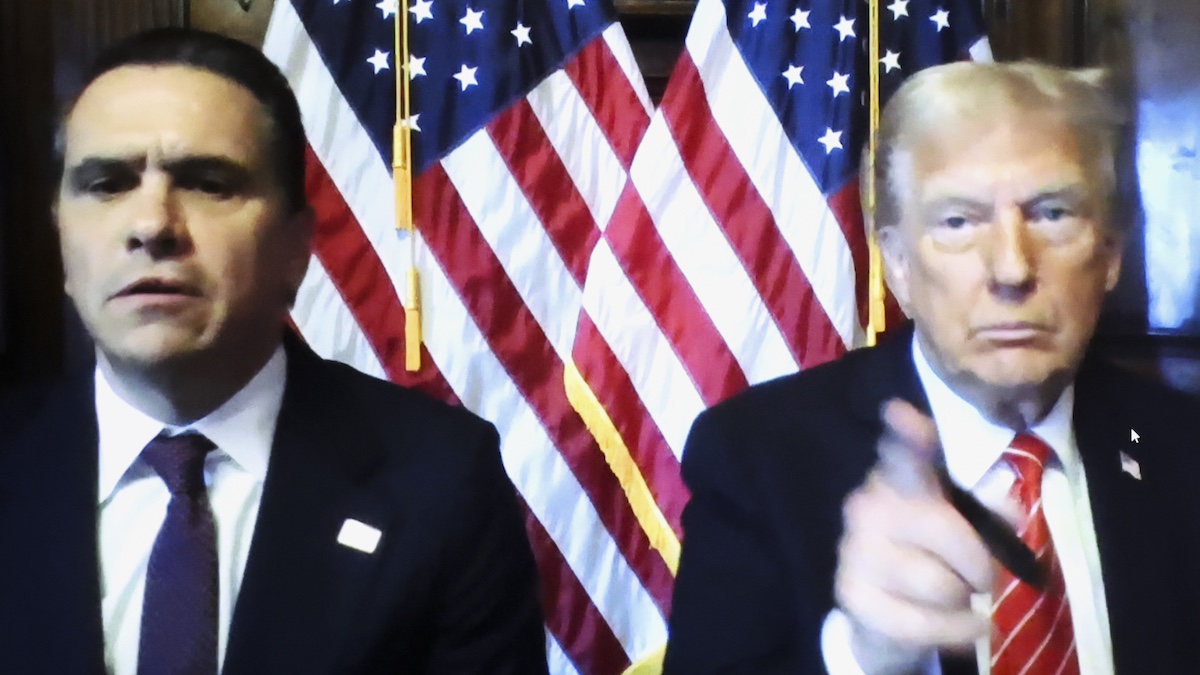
(826, 531)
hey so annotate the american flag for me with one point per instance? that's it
(594, 273)
(526, 116)
(737, 252)
(746, 181)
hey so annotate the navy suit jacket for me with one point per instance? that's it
(770, 468)
(451, 588)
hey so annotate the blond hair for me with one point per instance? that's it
(956, 94)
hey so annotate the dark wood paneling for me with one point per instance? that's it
(245, 20)
(656, 7)
(44, 47)
(656, 29)
(1045, 30)
(83, 27)
(29, 258)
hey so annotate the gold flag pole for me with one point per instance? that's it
(402, 177)
(877, 319)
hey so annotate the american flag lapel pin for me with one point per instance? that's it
(1130, 466)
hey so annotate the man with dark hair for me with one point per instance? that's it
(839, 521)
(235, 61)
(214, 496)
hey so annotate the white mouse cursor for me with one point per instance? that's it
(1133, 436)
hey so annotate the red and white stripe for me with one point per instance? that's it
(723, 265)
(503, 251)
(1032, 631)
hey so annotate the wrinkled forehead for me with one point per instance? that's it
(161, 112)
(1016, 146)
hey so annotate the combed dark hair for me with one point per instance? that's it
(233, 60)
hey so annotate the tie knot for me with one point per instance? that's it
(179, 461)
(1028, 455)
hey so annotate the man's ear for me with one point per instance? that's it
(300, 234)
(895, 263)
(1115, 251)
(54, 209)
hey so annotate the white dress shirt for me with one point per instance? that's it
(974, 447)
(133, 499)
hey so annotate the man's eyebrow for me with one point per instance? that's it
(90, 168)
(1072, 193)
(190, 164)
(1069, 193)
(960, 202)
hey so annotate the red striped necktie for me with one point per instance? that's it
(1031, 628)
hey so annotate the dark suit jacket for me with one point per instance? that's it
(451, 588)
(769, 470)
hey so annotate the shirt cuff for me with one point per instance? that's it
(839, 656)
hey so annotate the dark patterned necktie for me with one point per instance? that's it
(1032, 632)
(179, 612)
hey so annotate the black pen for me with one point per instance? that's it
(997, 535)
(910, 476)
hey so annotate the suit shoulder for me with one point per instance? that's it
(21, 406)
(810, 423)
(1149, 396)
(826, 387)
(412, 414)
(15, 405)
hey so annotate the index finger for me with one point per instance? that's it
(908, 451)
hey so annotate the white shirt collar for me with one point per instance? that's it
(973, 444)
(242, 428)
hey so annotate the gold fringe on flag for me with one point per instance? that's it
(641, 500)
(412, 323)
(402, 178)
(877, 321)
(651, 665)
(616, 453)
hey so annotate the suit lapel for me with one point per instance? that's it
(300, 583)
(890, 373)
(1129, 527)
(52, 596)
